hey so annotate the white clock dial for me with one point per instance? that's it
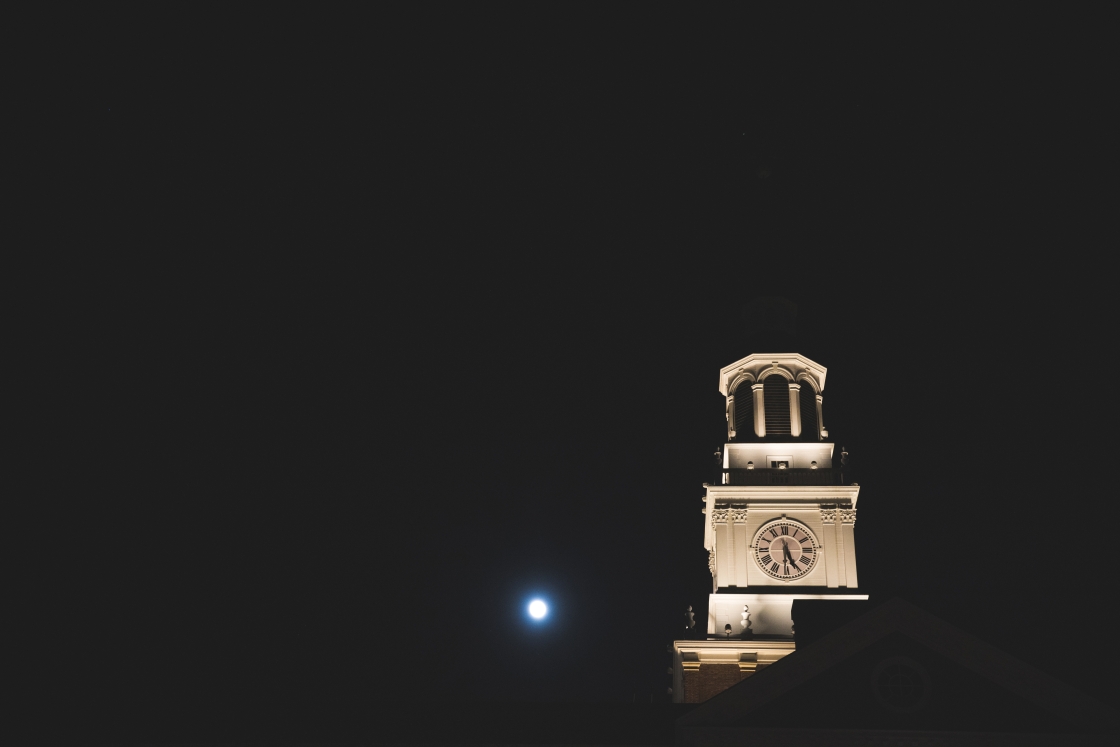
(785, 549)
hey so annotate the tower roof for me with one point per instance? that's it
(760, 365)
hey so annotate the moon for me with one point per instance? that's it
(538, 609)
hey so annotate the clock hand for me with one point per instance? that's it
(785, 552)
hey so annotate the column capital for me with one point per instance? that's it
(794, 386)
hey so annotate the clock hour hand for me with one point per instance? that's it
(785, 552)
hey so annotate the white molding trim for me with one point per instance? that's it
(776, 370)
(739, 380)
(804, 376)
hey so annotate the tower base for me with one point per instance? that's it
(703, 669)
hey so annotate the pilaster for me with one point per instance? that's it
(724, 551)
(737, 518)
(847, 531)
(831, 560)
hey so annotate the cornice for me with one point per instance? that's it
(799, 494)
(740, 644)
(782, 594)
(794, 363)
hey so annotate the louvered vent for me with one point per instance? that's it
(808, 401)
(775, 393)
(744, 411)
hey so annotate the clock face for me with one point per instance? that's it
(785, 550)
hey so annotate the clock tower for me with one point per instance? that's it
(779, 523)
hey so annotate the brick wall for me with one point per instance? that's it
(709, 680)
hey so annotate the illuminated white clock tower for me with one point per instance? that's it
(778, 523)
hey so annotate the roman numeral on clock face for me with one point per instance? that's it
(766, 559)
(774, 568)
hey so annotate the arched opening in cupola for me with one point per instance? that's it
(775, 397)
(744, 410)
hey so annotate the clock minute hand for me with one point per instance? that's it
(785, 552)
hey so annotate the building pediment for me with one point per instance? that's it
(896, 669)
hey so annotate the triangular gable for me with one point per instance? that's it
(898, 616)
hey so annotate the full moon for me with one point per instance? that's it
(538, 609)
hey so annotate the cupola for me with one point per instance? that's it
(774, 397)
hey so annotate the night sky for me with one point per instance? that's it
(349, 335)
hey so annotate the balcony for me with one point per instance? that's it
(780, 477)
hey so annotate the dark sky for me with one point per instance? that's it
(358, 331)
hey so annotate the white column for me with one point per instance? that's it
(848, 530)
(820, 416)
(832, 575)
(794, 409)
(731, 416)
(759, 410)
